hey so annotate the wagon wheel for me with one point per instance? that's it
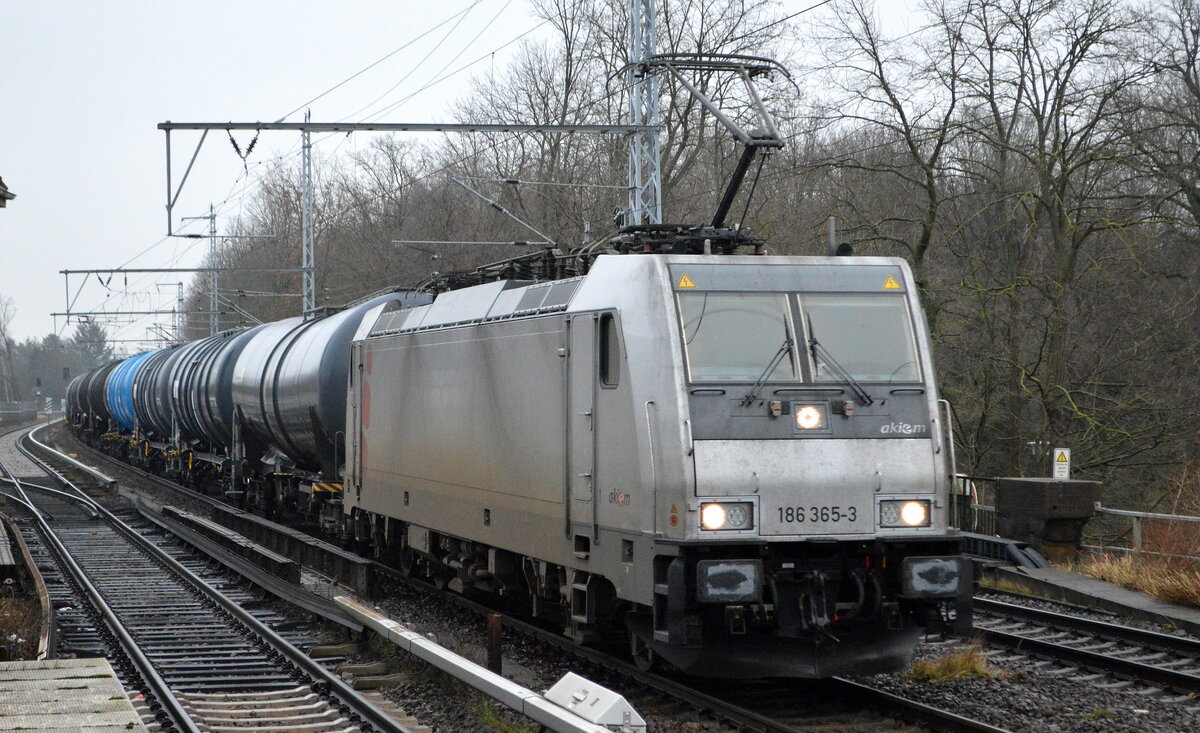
(408, 561)
(644, 657)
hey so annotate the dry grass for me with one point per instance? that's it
(970, 662)
(18, 629)
(1175, 580)
(1004, 584)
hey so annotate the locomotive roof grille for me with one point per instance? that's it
(509, 303)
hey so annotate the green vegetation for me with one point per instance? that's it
(493, 718)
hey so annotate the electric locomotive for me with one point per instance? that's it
(741, 457)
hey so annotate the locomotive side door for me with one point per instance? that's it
(581, 428)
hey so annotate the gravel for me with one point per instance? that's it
(1031, 697)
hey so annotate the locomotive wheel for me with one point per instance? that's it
(643, 656)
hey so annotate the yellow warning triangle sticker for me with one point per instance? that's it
(685, 282)
(1062, 458)
(674, 510)
(891, 284)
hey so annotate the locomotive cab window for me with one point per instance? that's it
(610, 351)
(869, 336)
(737, 337)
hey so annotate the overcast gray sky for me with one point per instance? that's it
(83, 85)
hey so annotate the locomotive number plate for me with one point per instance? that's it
(815, 519)
(816, 514)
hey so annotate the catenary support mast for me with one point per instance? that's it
(308, 259)
(645, 177)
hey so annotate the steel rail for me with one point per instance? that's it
(917, 712)
(55, 492)
(334, 684)
(103, 478)
(742, 717)
(278, 587)
(1094, 661)
(163, 696)
(1166, 642)
(48, 635)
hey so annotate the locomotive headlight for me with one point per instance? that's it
(809, 417)
(726, 516)
(914, 513)
(902, 513)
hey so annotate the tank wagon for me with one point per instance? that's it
(257, 414)
(739, 461)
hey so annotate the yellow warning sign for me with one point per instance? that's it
(1061, 468)
(685, 282)
(891, 284)
(674, 510)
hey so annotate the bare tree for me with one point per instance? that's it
(899, 104)
(7, 311)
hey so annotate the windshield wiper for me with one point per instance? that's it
(784, 350)
(819, 352)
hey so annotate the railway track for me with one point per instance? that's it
(177, 631)
(775, 707)
(1108, 655)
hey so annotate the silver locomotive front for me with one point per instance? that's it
(815, 539)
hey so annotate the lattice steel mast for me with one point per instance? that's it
(645, 177)
(308, 289)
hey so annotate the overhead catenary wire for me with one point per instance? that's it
(416, 66)
(501, 138)
(464, 67)
(460, 14)
(249, 180)
(520, 182)
(277, 161)
(784, 19)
